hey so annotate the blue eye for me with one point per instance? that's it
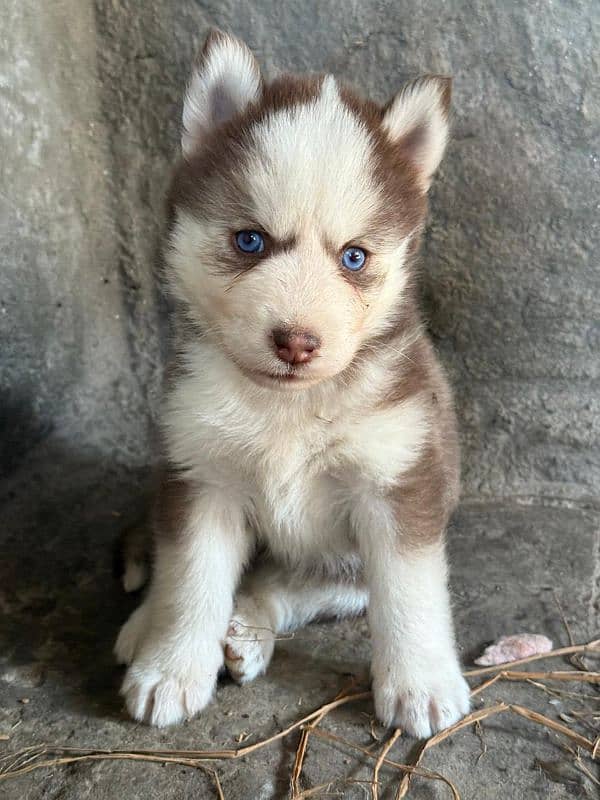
(354, 258)
(250, 241)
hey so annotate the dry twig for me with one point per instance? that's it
(558, 675)
(479, 733)
(474, 716)
(381, 758)
(580, 765)
(425, 773)
(301, 751)
(576, 660)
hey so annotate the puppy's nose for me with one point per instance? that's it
(295, 347)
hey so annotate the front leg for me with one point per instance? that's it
(417, 680)
(174, 641)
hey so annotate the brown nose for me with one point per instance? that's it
(295, 347)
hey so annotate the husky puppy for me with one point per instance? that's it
(307, 417)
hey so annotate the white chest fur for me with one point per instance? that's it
(295, 460)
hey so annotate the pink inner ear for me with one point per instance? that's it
(221, 104)
(414, 141)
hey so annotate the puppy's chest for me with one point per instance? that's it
(299, 492)
(296, 468)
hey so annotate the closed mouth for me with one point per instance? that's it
(278, 376)
(298, 375)
(265, 378)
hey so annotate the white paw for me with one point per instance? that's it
(249, 643)
(421, 702)
(171, 677)
(130, 635)
(167, 696)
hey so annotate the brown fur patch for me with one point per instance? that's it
(426, 495)
(171, 506)
(413, 374)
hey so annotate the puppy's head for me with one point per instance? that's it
(295, 212)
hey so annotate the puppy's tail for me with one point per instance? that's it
(133, 556)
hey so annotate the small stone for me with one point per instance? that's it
(513, 648)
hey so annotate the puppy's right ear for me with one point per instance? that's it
(225, 80)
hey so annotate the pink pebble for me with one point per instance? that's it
(512, 648)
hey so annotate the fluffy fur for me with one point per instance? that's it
(341, 472)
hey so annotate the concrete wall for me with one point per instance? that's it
(90, 112)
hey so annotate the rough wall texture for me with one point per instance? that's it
(90, 104)
(92, 94)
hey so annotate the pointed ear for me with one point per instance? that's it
(417, 121)
(225, 80)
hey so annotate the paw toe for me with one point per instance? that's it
(231, 654)
(247, 651)
(422, 710)
(130, 636)
(138, 691)
(163, 700)
(135, 576)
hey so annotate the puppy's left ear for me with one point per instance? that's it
(416, 120)
(225, 80)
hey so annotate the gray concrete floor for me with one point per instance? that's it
(62, 609)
